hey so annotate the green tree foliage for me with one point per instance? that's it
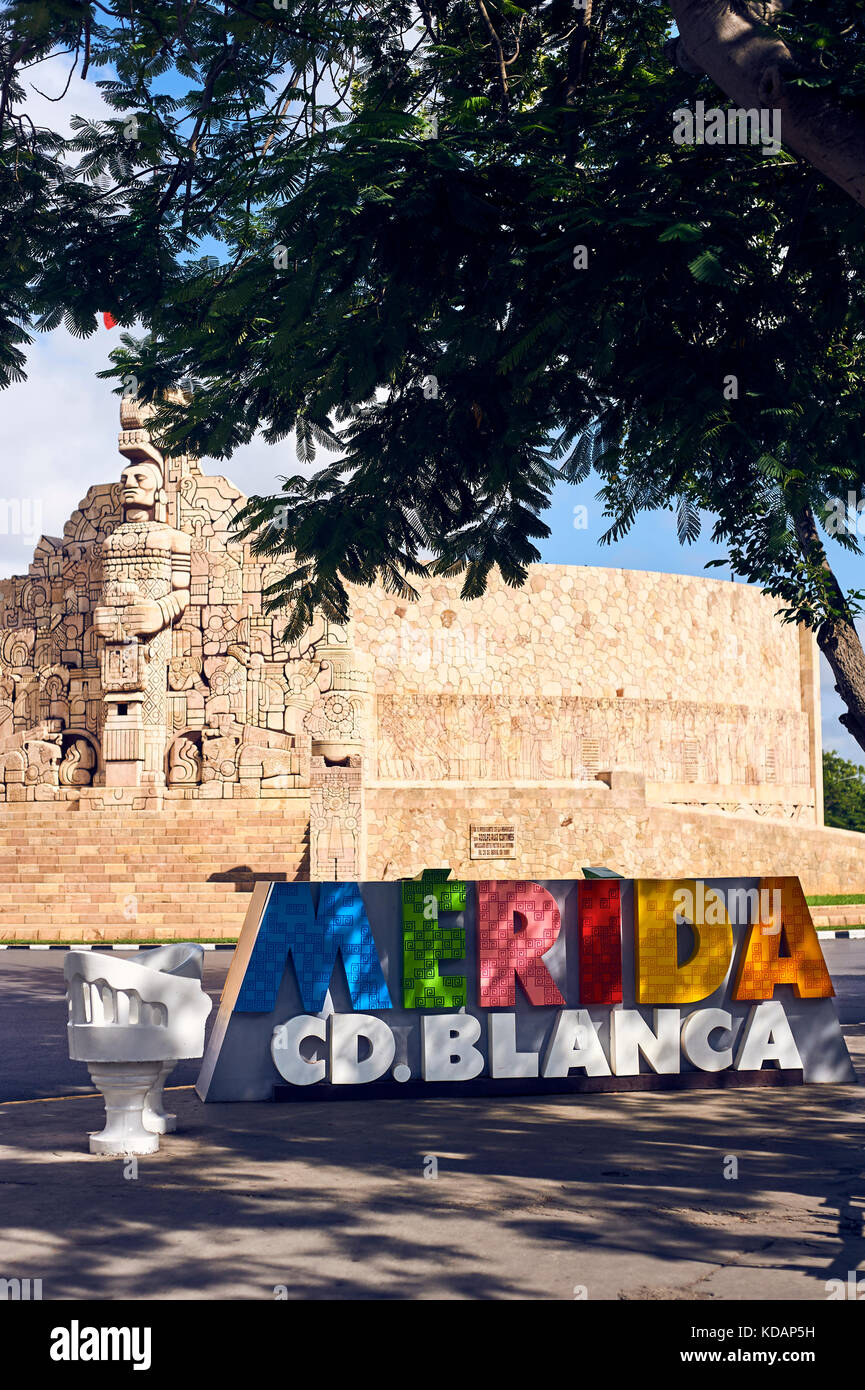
(461, 250)
(843, 793)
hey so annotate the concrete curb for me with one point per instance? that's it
(824, 934)
(106, 946)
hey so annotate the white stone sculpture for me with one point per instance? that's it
(131, 1020)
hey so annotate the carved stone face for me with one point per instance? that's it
(139, 484)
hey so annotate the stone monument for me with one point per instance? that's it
(137, 655)
(162, 748)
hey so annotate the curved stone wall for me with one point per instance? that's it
(692, 682)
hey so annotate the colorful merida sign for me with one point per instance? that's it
(340, 989)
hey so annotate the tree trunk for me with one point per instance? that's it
(752, 66)
(840, 644)
(837, 637)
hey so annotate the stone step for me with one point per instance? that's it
(47, 810)
(839, 915)
(121, 889)
(219, 857)
(274, 836)
(181, 834)
(68, 874)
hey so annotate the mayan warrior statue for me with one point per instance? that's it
(146, 587)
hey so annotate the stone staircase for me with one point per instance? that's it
(185, 872)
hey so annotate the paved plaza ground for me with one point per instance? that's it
(624, 1195)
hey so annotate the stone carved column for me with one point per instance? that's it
(146, 584)
(339, 725)
(337, 830)
(340, 722)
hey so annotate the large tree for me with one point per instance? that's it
(460, 246)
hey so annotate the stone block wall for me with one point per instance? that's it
(560, 829)
(693, 682)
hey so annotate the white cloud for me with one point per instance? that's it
(59, 431)
(46, 81)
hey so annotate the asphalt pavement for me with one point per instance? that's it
(34, 1058)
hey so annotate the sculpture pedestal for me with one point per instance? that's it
(125, 1087)
(155, 1118)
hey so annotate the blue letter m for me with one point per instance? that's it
(341, 927)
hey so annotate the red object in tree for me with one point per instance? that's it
(109, 321)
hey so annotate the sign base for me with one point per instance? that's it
(488, 1086)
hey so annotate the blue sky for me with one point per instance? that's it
(59, 430)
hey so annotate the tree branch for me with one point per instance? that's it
(753, 68)
(497, 45)
(837, 637)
